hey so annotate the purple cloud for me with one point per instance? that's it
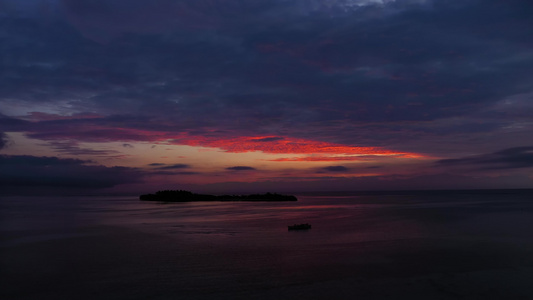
(240, 168)
(336, 169)
(175, 166)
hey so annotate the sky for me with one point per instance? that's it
(237, 96)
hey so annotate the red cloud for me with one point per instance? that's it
(284, 145)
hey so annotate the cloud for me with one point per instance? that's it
(11, 124)
(268, 139)
(170, 173)
(326, 158)
(19, 173)
(103, 21)
(335, 169)
(72, 147)
(512, 158)
(175, 166)
(42, 116)
(368, 60)
(241, 168)
(174, 169)
(101, 130)
(40, 161)
(128, 146)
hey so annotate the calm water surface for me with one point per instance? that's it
(444, 246)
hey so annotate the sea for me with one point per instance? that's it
(374, 245)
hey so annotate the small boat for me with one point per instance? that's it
(299, 227)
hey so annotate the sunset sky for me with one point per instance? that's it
(237, 96)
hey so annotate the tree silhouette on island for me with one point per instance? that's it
(187, 196)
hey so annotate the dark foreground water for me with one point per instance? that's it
(406, 246)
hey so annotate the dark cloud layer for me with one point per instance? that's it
(240, 168)
(273, 67)
(21, 172)
(172, 169)
(335, 169)
(156, 164)
(71, 147)
(513, 158)
(174, 166)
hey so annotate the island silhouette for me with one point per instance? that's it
(187, 196)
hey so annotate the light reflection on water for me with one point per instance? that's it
(332, 219)
(363, 218)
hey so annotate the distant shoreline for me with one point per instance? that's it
(187, 196)
(419, 192)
